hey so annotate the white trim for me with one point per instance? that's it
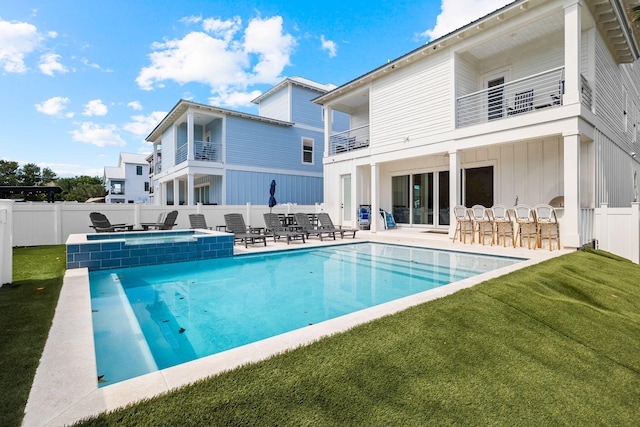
(278, 171)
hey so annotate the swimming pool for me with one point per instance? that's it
(154, 317)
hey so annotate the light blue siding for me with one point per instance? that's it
(303, 111)
(253, 187)
(341, 121)
(262, 145)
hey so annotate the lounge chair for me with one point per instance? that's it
(235, 224)
(198, 221)
(304, 225)
(275, 228)
(168, 223)
(101, 224)
(326, 224)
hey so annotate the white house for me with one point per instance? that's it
(129, 181)
(210, 155)
(537, 100)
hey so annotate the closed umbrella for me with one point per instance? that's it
(272, 193)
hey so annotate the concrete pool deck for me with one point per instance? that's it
(65, 388)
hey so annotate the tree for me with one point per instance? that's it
(48, 176)
(8, 173)
(635, 14)
(29, 175)
(81, 188)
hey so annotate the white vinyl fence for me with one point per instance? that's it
(617, 230)
(37, 224)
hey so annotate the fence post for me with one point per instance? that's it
(603, 238)
(136, 215)
(57, 222)
(635, 232)
(6, 241)
(248, 214)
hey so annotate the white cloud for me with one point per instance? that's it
(457, 13)
(135, 105)
(329, 46)
(224, 57)
(54, 106)
(234, 99)
(95, 108)
(49, 64)
(143, 125)
(17, 39)
(98, 135)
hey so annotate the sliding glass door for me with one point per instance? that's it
(421, 199)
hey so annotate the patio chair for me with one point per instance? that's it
(304, 224)
(503, 225)
(235, 224)
(464, 223)
(167, 224)
(526, 224)
(482, 222)
(325, 223)
(275, 228)
(547, 226)
(101, 224)
(198, 221)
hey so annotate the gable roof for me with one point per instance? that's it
(296, 81)
(133, 158)
(183, 105)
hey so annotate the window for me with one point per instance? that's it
(146, 186)
(138, 170)
(307, 150)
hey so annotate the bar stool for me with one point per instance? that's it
(464, 223)
(526, 224)
(503, 225)
(483, 222)
(547, 226)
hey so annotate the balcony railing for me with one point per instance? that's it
(529, 94)
(204, 151)
(208, 151)
(352, 139)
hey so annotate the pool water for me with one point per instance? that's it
(154, 317)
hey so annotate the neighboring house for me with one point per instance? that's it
(534, 101)
(129, 181)
(209, 155)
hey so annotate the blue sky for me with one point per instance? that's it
(82, 81)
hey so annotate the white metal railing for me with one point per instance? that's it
(585, 90)
(181, 154)
(208, 151)
(542, 90)
(352, 139)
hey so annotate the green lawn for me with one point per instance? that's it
(553, 344)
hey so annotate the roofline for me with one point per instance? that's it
(286, 81)
(184, 105)
(429, 45)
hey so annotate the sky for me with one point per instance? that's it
(83, 81)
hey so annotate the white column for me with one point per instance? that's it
(455, 193)
(603, 227)
(328, 124)
(190, 189)
(570, 227)
(572, 49)
(190, 137)
(176, 192)
(375, 204)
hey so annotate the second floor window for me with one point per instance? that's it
(146, 186)
(138, 170)
(307, 150)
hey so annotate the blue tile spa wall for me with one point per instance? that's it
(113, 251)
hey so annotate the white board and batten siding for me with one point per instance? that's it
(168, 148)
(413, 102)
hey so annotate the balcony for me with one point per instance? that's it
(526, 95)
(543, 90)
(204, 151)
(352, 139)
